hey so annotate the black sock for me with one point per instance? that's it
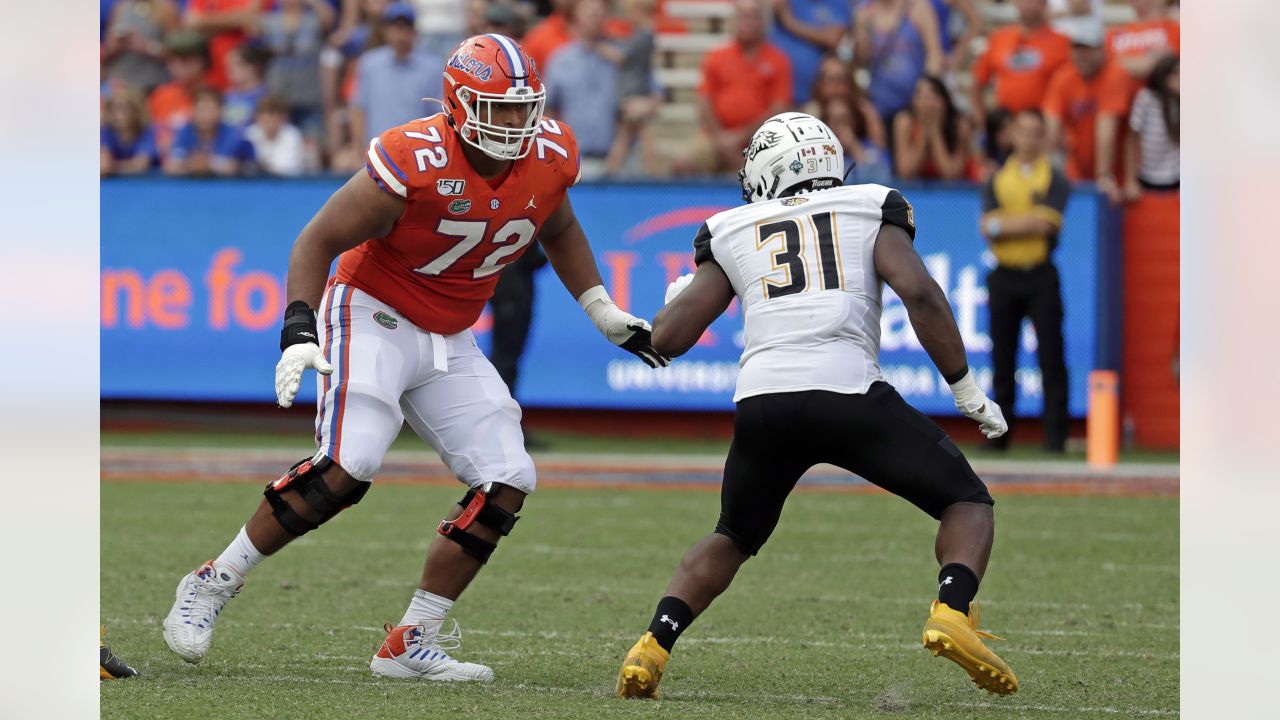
(957, 586)
(669, 620)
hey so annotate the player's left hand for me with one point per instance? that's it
(294, 360)
(975, 405)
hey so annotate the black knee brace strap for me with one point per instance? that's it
(304, 478)
(477, 508)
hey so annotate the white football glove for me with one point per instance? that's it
(621, 327)
(975, 405)
(676, 287)
(294, 360)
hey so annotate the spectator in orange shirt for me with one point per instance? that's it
(1077, 94)
(1139, 45)
(169, 106)
(1019, 59)
(553, 32)
(226, 23)
(743, 84)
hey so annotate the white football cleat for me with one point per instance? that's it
(409, 653)
(188, 629)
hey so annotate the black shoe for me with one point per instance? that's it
(111, 667)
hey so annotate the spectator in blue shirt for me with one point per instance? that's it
(246, 68)
(207, 145)
(806, 30)
(295, 32)
(128, 142)
(582, 85)
(392, 80)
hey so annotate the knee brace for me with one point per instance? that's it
(305, 478)
(476, 507)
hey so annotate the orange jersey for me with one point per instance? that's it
(741, 86)
(1075, 101)
(440, 263)
(1139, 38)
(1021, 64)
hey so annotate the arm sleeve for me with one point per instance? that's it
(895, 210)
(385, 159)
(1141, 106)
(702, 246)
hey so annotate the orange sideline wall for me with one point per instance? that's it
(1148, 388)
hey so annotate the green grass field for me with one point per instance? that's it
(825, 623)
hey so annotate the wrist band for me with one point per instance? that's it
(299, 325)
(957, 376)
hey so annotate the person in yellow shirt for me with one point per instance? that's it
(1022, 207)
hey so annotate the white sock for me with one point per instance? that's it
(241, 555)
(428, 610)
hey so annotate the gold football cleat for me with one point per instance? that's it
(642, 670)
(956, 637)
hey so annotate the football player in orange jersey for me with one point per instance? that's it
(421, 236)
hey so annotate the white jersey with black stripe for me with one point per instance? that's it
(803, 270)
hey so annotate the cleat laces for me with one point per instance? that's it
(203, 603)
(973, 624)
(442, 641)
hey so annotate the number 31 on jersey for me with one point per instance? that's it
(786, 240)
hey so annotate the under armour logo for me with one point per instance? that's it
(667, 619)
(531, 205)
(944, 582)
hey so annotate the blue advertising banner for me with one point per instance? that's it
(193, 291)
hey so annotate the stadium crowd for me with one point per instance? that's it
(916, 89)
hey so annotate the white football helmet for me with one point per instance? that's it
(790, 148)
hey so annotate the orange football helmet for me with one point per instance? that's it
(489, 83)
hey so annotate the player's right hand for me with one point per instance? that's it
(975, 405)
(294, 360)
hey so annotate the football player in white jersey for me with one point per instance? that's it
(808, 256)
